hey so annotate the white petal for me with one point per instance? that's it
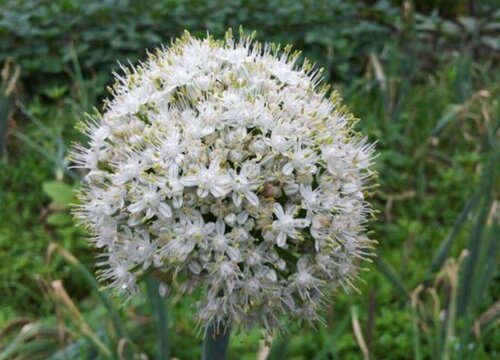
(242, 217)
(271, 275)
(233, 253)
(136, 207)
(177, 201)
(349, 188)
(189, 180)
(165, 210)
(163, 290)
(150, 213)
(278, 210)
(194, 267)
(219, 191)
(288, 168)
(236, 199)
(220, 227)
(202, 192)
(252, 198)
(281, 239)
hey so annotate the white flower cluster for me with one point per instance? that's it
(225, 167)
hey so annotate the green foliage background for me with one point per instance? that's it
(422, 76)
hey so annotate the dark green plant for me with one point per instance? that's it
(41, 35)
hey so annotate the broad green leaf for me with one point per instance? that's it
(59, 192)
(59, 219)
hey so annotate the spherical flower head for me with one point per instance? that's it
(226, 167)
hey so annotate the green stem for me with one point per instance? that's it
(216, 342)
(161, 318)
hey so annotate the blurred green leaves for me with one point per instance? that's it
(60, 193)
(339, 35)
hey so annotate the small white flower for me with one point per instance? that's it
(304, 280)
(169, 149)
(302, 160)
(244, 185)
(286, 225)
(129, 169)
(209, 180)
(220, 240)
(151, 203)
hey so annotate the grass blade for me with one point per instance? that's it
(475, 242)
(278, 349)
(39, 124)
(94, 285)
(489, 261)
(26, 335)
(358, 334)
(445, 246)
(391, 276)
(330, 342)
(417, 354)
(58, 161)
(60, 295)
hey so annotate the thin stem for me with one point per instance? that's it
(215, 344)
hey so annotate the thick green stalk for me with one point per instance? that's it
(215, 344)
(161, 318)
